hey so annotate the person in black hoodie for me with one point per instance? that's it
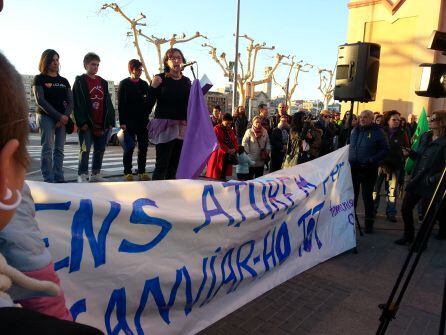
(133, 106)
(368, 147)
(170, 90)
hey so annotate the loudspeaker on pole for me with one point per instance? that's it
(357, 72)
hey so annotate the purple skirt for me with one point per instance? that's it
(166, 130)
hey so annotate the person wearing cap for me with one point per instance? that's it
(134, 111)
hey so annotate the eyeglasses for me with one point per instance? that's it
(433, 119)
(326, 116)
(178, 58)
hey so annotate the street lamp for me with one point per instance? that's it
(234, 90)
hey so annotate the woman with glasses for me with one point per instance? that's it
(170, 91)
(54, 106)
(430, 160)
(391, 167)
(133, 105)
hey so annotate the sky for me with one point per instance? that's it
(309, 29)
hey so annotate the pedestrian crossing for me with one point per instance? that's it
(111, 164)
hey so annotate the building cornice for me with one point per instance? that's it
(391, 5)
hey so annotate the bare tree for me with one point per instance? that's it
(326, 85)
(295, 68)
(175, 39)
(135, 32)
(134, 23)
(245, 78)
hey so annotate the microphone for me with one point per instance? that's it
(188, 64)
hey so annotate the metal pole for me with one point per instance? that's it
(234, 89)
(287, 93)
(250, 108)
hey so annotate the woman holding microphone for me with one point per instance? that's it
(170, 91)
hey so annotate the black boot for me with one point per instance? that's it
(368, 226)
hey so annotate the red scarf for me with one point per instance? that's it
(258, 132)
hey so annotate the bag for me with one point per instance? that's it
(69, 127)
(98, 131)
(231, 159)
(264, 155)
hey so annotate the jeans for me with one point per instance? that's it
(86, 139)
(143, 143)
(52, 141)
(391, 186)
(167, 159)
(364, 178)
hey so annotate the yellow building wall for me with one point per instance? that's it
(403, 35)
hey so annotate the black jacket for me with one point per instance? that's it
(394, 160)
(171, 98)
(82, 111)
(133, 103)
(430, 160)
(240, 125)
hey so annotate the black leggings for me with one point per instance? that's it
(167, 159)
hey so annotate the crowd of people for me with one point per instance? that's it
(379, 142)
(379, 147)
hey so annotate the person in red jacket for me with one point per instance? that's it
(221, 160)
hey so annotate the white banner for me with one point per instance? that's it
(173, 257)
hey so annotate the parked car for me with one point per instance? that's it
(113, 140)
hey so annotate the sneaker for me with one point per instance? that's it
(392, 219)
(404, 241)
(83, 178)
(144, 176)
(128, 177)
(97, 178)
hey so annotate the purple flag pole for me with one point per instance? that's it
(200, 140)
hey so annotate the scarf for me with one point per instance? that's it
(258, 132)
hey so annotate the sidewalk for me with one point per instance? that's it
(341, 296)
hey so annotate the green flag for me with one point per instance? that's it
(422, 127)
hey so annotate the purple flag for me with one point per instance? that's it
(200, 140)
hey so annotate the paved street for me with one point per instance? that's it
(340, 296)
(112, 167)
